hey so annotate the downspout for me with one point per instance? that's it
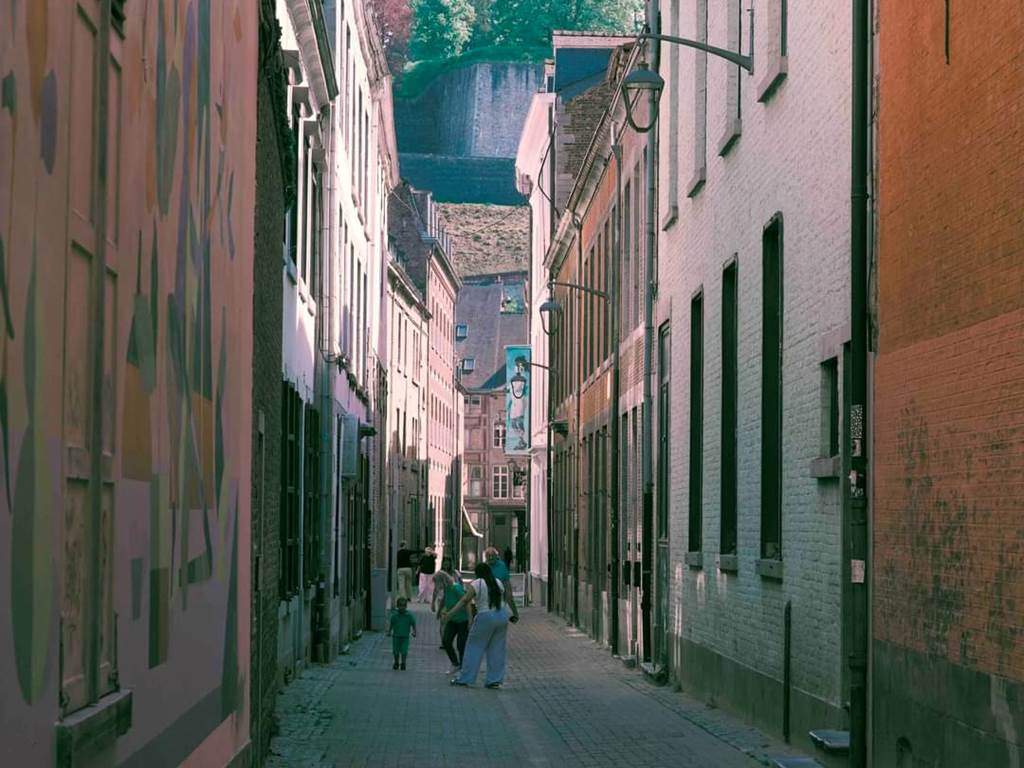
(324, 317)
(578, 223)
(613, 298)
(651, 169)
(858, 416)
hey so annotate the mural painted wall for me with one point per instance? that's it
(126, 207)
(517, 399)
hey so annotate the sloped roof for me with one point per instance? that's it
(489, 329)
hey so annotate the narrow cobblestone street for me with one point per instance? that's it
(566, 702)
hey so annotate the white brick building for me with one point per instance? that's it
(754, 170)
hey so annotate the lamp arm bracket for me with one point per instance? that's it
(746, 62)
(585, 289)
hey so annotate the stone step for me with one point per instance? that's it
(831, 741)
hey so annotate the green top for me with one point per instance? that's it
(401, 623)
(452, 594)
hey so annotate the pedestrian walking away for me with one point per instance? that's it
(401, 624)
(428, 564)
(404, 564)
(454, 631)
(501, 573)
(508, 556)
(445, 575)
(489, 634)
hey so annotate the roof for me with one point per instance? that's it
(489, 329)
(487, 239)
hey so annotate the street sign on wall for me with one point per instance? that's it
(517, 401)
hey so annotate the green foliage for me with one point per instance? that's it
(530, 22)
(447, 34)
(441, 28)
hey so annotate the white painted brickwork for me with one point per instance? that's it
(792, 156)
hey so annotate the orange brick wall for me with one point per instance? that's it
(949, 384)
(948, 506)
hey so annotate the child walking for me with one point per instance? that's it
(401, 623)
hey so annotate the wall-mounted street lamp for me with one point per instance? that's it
(643, 80)
(517, 384)
(553, 306)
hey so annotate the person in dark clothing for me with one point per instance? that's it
(428, 564)
(507, 557)
(404, 564)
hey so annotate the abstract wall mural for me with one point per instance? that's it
(126, 202)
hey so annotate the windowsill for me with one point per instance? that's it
(825, 468)
(697, 182)
(695, 559)
(733, 131)
(94, 728)
(769, 569)
(670, 218)
(728, 563)
(289, 269)
(773, 78)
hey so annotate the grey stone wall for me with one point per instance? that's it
(473, 111)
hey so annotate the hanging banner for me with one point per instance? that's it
(517, 401)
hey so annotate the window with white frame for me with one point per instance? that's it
(499, 434)
(499, 482)
(476, 480)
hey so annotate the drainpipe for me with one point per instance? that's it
(578, 223)
(647, 555)
(858, 416)
(616, 306)
(324, 318)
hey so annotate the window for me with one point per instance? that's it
(468, 364)
(626, 257)
(672, 184)
(730, 353)
(664, 426)
(499, 482)
(291, 456)
(311, 497)
(476, 480)
(499, 434)
(474, 400)
(519, 484)
(733, 113)
(776, 49)
(696, 422)
(700, 104)
(830, 406)
(771, 392)
(460, 331)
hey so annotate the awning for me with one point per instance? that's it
(469, 524)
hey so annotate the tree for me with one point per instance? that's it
(530, 22)
(440, 28)
(395, 20)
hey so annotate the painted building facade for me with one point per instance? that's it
(422, 248)
(127, 138)
(408, 326)
(491, 314)
(311, 90)
(753, 270)
(534, 180)
(947, 651)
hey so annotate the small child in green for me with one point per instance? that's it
(401, 623)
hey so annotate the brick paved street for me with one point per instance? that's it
(566, 702)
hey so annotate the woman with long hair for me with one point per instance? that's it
(489, 633)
